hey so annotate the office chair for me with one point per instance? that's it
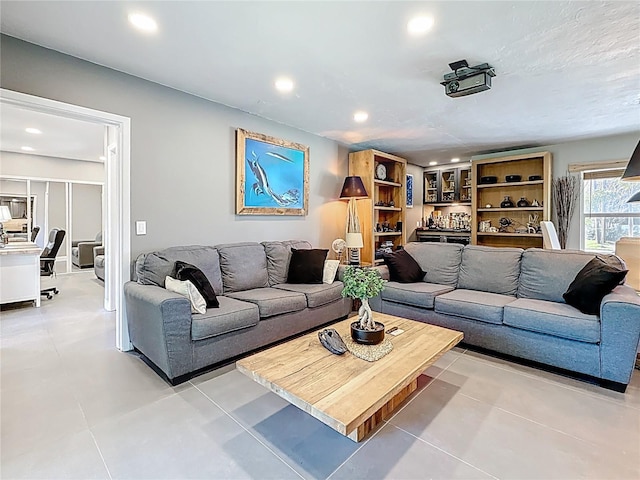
(48, 258)
(549, 236)
(34, 233)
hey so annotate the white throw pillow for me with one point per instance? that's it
(329, 272)
(189, 290)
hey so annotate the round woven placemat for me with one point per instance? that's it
(370, 353)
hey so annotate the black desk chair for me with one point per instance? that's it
(48, 258)
(34, 233)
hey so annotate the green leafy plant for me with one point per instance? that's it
(363, 283)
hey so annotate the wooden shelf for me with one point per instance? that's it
(387, 234)
(388, 209)
(386, 183)
(510, 184)
(510, 209)
(464, 203)
(507, 234)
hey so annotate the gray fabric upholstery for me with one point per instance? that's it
(278, 257)
(546, 274)
(552, 318)
(152, 268)
(232, 315)
(243, 266)
(490, 269)
(440, 260)
(481, 306)
(98, 266)
(82, 251)
(420, 294)
(272, 301)
(317, 295)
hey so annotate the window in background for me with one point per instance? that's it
(606, 214)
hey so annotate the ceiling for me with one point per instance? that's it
(565, 70)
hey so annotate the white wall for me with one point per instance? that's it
(182, 153)
(616, 147)
(38, 166)
(86, 204)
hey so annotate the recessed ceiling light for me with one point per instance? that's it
(284, 84)
(143, 22)
(433, 163)
(35, 131)
(360, 116)
(27, 149)
(102, 157)
(455, 160)
(420, 25)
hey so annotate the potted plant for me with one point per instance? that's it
(364, 283)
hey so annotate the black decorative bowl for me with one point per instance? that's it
(367, 337)
(533, 178)
(488, 180)
(513, 178)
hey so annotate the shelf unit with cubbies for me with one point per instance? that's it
(390, 192)
(527, 165)
(447, 186)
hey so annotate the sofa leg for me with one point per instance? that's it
(615, 386)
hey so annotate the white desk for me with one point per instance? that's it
(20, 273)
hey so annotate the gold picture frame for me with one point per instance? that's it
(272, 175)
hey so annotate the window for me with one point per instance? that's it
(606, 215)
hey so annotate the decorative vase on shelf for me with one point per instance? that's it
(506, 203)
(523, 202)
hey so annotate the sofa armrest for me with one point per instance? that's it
(75, 243)
(619, 333)
(98, 251)
(160, 327)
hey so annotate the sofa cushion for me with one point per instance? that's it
(272, 301)
(552, 318)
(317, 295)
(490, 269)
(243, 266)
(403, 267)
(419, 294)
(330, 270)
(482, 306)
(186, 271)
(306, 265)
(187, 289)
(441, 261)
(278, 257)
(592, 283)
(546, 274)
(152, 268)
(230, 316)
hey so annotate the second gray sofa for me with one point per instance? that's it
(257, 306)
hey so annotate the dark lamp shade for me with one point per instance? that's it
(633, 167)
(634, 198)
(353, 188)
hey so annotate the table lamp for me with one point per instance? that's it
(353, 189)
(632, 172)
(5, 216)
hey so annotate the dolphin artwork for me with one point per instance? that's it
(262, 187)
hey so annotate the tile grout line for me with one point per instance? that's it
(246, 430)
(104, 462)
(444, 451)
(550, 382)
(387, 421)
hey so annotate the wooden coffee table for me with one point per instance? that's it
(348, 394)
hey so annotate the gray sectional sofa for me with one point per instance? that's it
(257, 306)
(510, 300)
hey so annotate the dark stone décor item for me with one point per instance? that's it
(332, 341)
(367, 337)
(523, 202)
(506, 203)
(513, 178)
(488, 180)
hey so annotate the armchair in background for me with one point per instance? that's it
(48, 259)
(98, 262)
(82, 251)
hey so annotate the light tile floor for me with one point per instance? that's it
(72, 406)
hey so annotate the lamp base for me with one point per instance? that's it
(354, 256)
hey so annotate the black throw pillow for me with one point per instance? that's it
(592, 283)
(186, 271)
(306, 265)
(403, 267)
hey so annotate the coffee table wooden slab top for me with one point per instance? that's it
(349, 394)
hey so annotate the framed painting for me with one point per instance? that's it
(272, 175)
(409, 190)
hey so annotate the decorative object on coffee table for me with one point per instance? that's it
(362, 284)
(370, 353)
(332, 341)
(506, 203)
(565, 195)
